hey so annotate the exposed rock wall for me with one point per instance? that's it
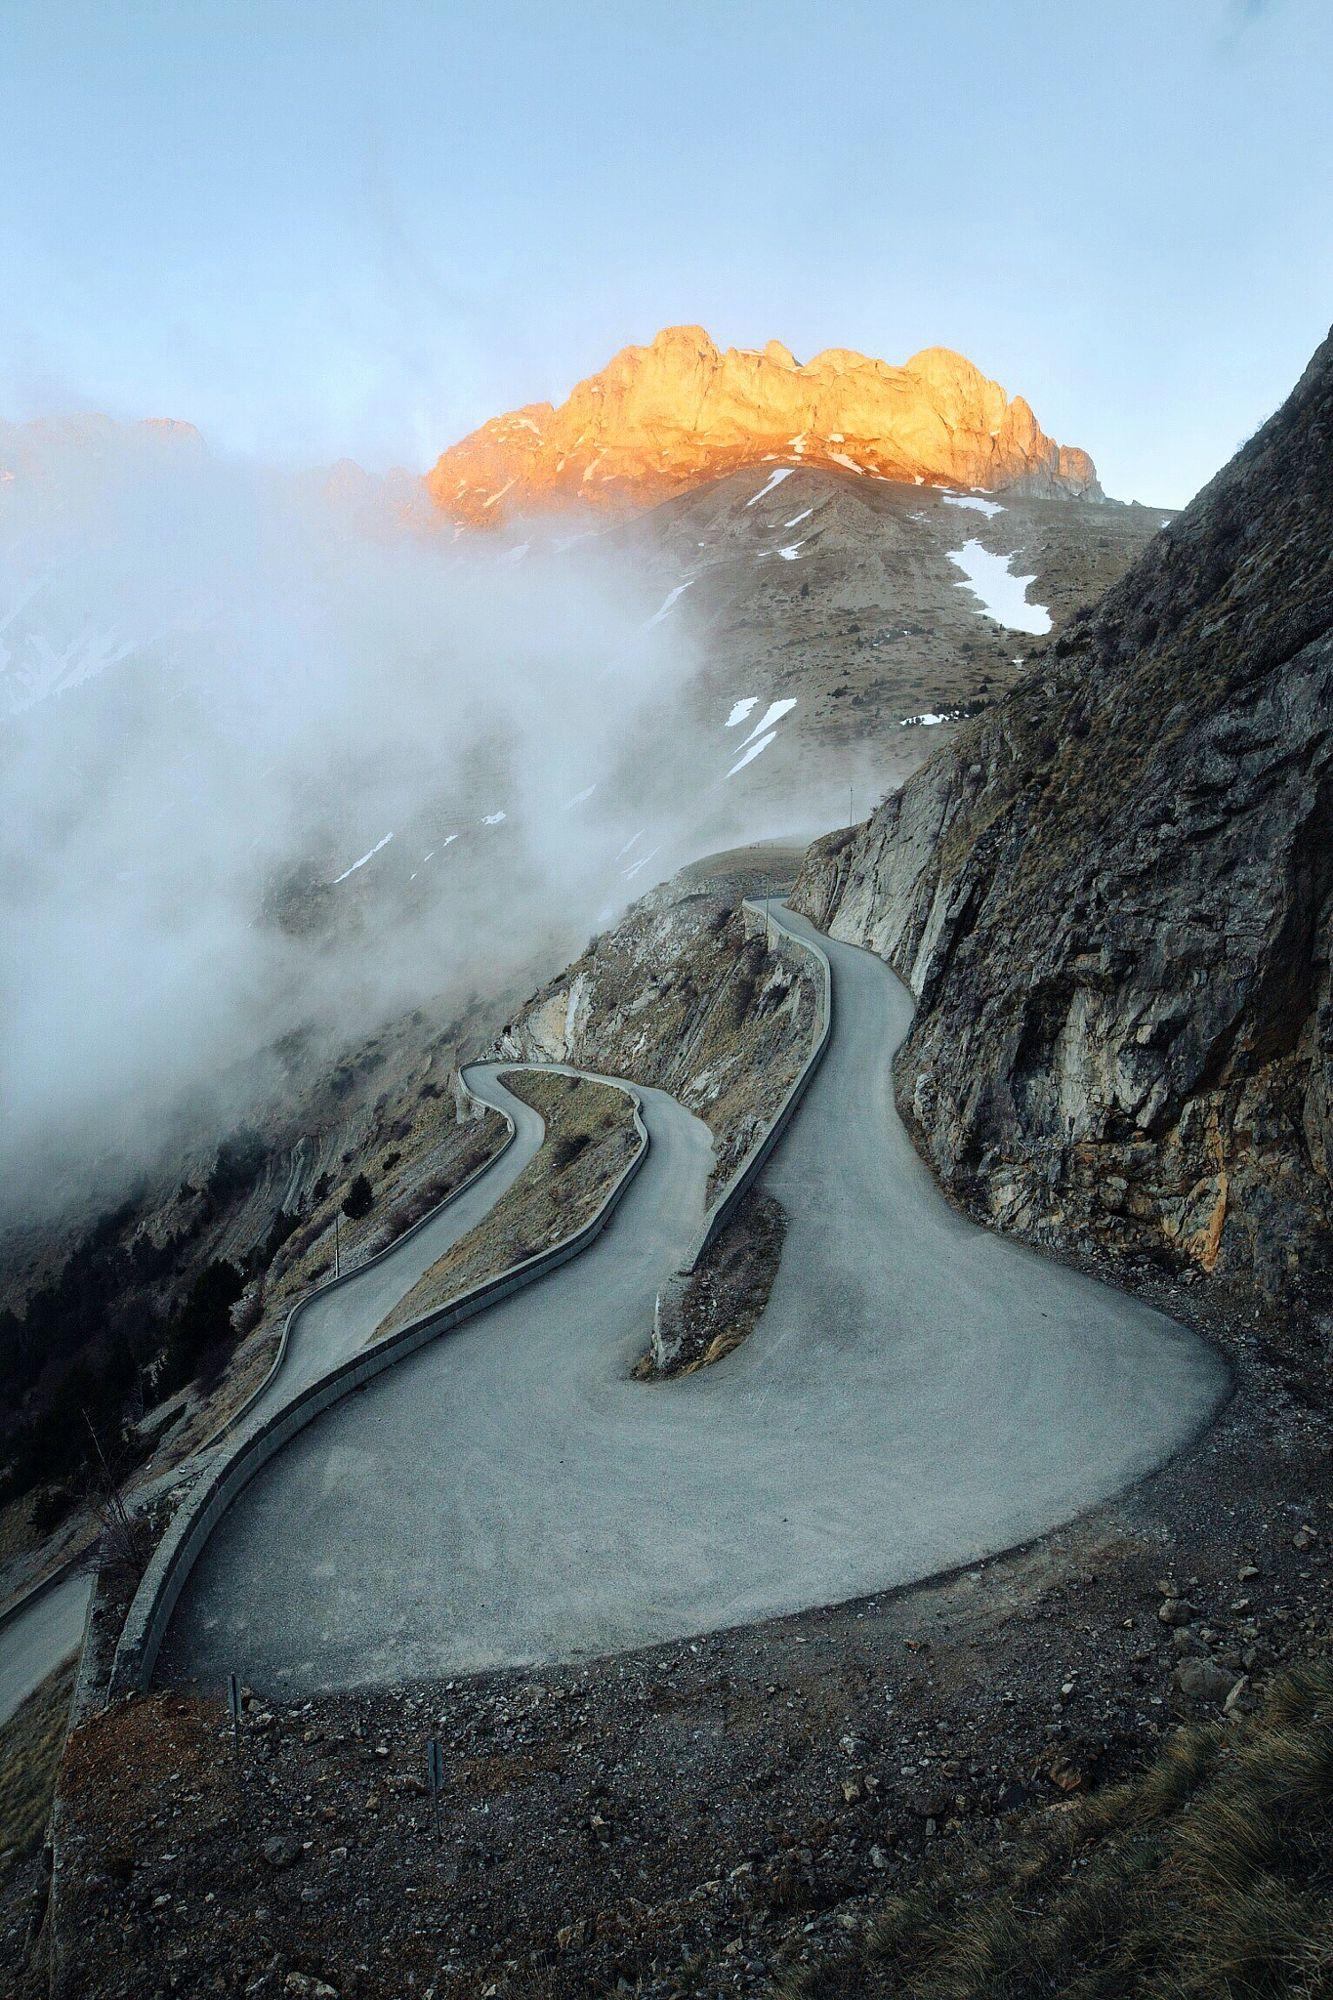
(660, 419)
(1111, 897)
(678, 996)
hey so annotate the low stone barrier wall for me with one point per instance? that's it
(752, 1165)
(328, 1285)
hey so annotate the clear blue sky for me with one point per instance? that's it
(340, 227)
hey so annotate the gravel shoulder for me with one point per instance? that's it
(693, 1818)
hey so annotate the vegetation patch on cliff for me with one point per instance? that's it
(1209, 1874)
(720, 1302)
(153, 1328)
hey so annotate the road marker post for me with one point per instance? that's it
(435, 1778)
(234, 1708)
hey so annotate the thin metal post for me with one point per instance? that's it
(435, 1778)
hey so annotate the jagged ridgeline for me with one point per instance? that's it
(660, 419)
(1111, 896)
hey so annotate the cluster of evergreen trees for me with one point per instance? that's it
(124, 1323)
(94, 1342)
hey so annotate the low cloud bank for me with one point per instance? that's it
(277, 753)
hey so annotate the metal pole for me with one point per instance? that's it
(337, 1268)
(435, 1778)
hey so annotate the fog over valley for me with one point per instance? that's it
(272, 760)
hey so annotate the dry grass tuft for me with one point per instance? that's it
(1210, 1877)
(30, 1746)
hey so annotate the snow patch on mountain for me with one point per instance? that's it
(755, 750)
(1004, 596)
(774, 479)
(772, 715)
(668, 601)
(987, 507)
(369, 855)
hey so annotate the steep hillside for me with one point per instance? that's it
(155, 1318)
(661, 419)
(1110, 895)
(870, 611)
(683, 994)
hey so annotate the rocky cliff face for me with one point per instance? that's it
(684, 995)
(1111, 896)
(664, 418)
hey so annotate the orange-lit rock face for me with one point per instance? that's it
(661, 419)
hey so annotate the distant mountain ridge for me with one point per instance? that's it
(27, 449)
(661, 419)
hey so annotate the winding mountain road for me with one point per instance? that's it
(39, 1635)
(338, 1323)
(47, 1629)
(919, 1393)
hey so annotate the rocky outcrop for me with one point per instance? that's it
(1110, 895)
(664, 418)
(684, 994)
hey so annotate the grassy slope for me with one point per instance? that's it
(1208, 1877)
(589, 1141)
(30, 1746)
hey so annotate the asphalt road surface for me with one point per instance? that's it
(336, 1325)
(339, 1323)
(919, 1393)
(38, 1638)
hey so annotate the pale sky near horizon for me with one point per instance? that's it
(320, 228)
